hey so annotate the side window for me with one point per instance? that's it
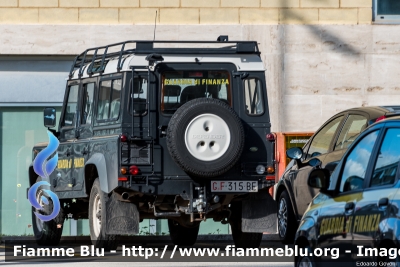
(103, 104)
(72, 105)
(388, 159)
(322, 140)
(87, 103)
(109, 102)
(253, 96)
(115, 99)
(356, 164)
(139, 97)
(354, 125)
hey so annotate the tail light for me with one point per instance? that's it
(270, 169)
(270, 137)
(134, 170)
(123, 179)
(270, 177)
(380, 118)
(124, 138)
(123, 170)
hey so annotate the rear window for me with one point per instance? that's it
(179, 87)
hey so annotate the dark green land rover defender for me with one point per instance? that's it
(171, 130)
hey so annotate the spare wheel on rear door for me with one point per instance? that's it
(205, 137)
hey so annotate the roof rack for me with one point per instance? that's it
(93, 56)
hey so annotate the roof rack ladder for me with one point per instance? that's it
(103, 59)
(92, 63)
(73, 66)
(148, 102)
(80, 73)
(119, 67)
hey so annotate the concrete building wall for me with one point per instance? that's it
(186, 11)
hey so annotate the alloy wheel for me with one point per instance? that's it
(282, 217)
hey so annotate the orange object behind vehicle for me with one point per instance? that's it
(283, 142)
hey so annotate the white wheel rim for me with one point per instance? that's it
(207, 137)
(39, 222)
(96, 215)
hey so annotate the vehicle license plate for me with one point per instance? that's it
(234, 186)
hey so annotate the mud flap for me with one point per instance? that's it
(122, 217)
(259, 213)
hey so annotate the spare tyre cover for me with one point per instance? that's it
(205, 137)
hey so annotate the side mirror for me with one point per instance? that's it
(319, 178)
(49, 117)
(294, 153)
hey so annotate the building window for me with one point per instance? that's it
(387, 11)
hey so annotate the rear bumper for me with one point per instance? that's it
(178, 186)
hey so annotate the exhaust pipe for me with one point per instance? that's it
(125, 195)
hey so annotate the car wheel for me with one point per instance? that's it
(181, 235)
(205, 137)
(97, 211)
(287, 223)
(46, 233)
(306, 261)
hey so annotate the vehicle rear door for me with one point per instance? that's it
(254, 112)
(180, 83)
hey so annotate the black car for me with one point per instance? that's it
(328, 144)
(356, 215)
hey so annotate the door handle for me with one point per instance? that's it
(383, 202)
(349, 206)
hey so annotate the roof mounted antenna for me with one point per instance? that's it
(155, 26)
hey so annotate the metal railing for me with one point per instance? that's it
(98, 59)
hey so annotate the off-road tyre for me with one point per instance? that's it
(242, 239)
(98, 236)
(176, 137)
(47, 233)
(181, 235)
